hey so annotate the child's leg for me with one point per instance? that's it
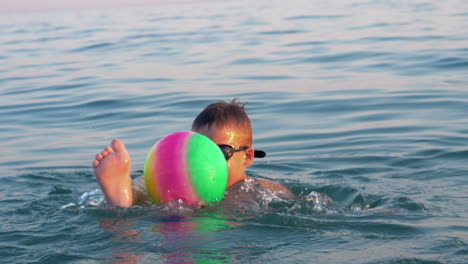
(112, 170)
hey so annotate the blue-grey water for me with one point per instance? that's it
(364, 102)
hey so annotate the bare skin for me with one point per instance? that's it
(237, 165)
(112, 170)
(112, 166)
(234, 137)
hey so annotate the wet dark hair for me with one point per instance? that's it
(226, 114)
(223, 114)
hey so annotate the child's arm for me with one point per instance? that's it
(140, 193)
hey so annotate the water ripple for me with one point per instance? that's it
(281, 32)
(92, 47)
(343, 57)
(315, 17)
(364, 103)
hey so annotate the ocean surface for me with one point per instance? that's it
(361, 106)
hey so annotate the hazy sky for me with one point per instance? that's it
(34, 5)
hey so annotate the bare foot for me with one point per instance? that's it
(112, 170)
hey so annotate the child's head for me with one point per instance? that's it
(227, 124)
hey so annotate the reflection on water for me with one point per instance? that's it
(178, 233)
(361, 107)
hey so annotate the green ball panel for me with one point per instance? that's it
(208, 168)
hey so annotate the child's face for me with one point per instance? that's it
(236, 138)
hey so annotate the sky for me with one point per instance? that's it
(41, 5)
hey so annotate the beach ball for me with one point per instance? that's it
(186, 166)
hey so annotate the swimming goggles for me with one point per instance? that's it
(228, 151)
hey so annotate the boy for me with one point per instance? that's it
(226, 123)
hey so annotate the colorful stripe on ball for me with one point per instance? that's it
(173, 180)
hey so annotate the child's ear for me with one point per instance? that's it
(249, 156)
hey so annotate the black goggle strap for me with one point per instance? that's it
(259, 154)
(228, 151)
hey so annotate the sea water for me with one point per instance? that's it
(361, 107)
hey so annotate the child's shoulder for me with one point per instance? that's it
(278, 188)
